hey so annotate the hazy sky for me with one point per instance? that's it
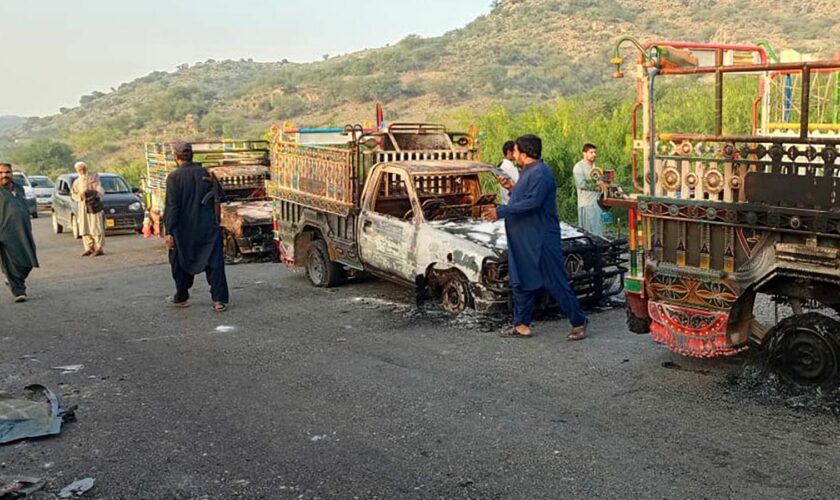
(54, 51)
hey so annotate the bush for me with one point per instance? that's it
(43, 156)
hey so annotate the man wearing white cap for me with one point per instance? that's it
(88, 192)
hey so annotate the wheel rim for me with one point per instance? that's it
(454, 296)
(807, 357)
(316, 268)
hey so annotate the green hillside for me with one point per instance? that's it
(522, 53)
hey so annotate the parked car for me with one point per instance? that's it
(123, 209)
(43, 187)
(31, 202)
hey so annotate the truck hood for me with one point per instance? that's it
(492, 235)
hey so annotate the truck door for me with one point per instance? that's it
(387, 225)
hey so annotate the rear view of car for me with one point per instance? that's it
(43, 188)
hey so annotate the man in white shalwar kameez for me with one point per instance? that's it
(589, 212)
(91, 226)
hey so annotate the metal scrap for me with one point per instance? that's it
(77, 488)
(39, 414)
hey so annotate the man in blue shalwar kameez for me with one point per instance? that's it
(535, 252)
(194, 239)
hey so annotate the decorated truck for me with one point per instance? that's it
(723, 216)
(241, 168)
(404, 203)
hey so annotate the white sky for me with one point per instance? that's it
(54, 51)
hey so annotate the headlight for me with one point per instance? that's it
(29, 194)
(136, 206)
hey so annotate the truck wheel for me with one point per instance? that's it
(805, 350)
(322, 272)
(57, 228)
(634, 323)
(74, 226)
(455, 295)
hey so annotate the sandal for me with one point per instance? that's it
(512, 332)
(219, 307)
(577, 333)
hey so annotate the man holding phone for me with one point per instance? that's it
(507, 174)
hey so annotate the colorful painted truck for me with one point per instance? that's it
(242, 168)
(722, 216)
(404, 203)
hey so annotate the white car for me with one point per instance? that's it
(43, 188)
(21, 179)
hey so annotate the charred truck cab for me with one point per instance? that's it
(405, 204)
(242, 169)
(724, 215)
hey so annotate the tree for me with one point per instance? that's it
(43, 156)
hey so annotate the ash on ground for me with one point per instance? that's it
(755, 379)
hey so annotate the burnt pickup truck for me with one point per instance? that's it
(404, 204)
(241, 168)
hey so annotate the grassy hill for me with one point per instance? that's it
(521, 53)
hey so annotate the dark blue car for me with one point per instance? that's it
(123, 209)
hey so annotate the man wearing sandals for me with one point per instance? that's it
(193, 239)
(535, 252)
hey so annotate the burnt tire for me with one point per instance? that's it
(804, 350)
(455, 294)
(636, 324)
(321, 271)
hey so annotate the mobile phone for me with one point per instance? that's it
(499, 172)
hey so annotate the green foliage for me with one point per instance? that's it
(42, 156)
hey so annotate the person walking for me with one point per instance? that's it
(194, 239)
(17, 246)
(87, 191)
(589, 212)
(535, 252)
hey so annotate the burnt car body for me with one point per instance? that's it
(408, 210)
(241, 168)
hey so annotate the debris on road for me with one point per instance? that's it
(19, 486)
(77, 488)
(225, 328)
(30, 417)
(69, 368)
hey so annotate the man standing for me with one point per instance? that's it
(193, 236)
(535, 252)
(85, 188)
(589, 212)
(510, 170)
(17, 247)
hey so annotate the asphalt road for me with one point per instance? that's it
(298, 392)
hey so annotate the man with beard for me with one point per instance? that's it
(193, 236)
(17, 247)
(535, 252)
(91, 223)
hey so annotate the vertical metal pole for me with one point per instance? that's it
(634, 263)
(806, 102)
(718, 93)
(836, 97)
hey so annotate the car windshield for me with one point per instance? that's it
(41, 182)
(20, 179)
(114, 185)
